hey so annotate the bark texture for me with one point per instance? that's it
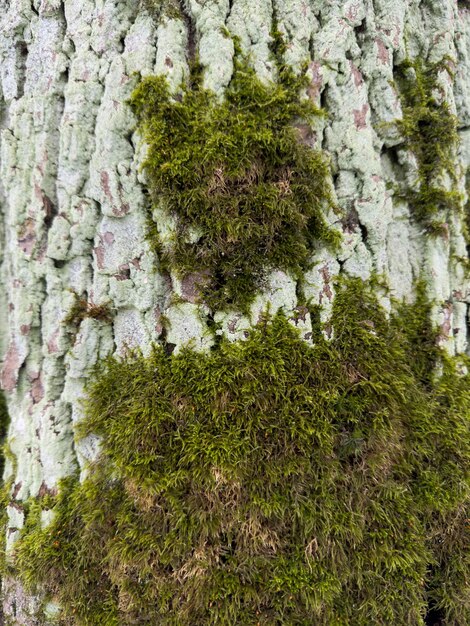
(73, 201)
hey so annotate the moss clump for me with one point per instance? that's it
(248, 195)
(169, 8)
(430, 130)
(82, 309)
(270, 482)
(467, 207)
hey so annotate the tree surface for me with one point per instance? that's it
(212, 188)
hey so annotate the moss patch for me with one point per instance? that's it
(247, 193)
(467, 207)
(168, 8)
(82, 309)
(430, 130)
(270, 482)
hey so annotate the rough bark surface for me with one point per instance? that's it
(73, 203)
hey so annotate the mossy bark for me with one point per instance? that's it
(84, 277)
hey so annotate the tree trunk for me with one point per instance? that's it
(74, 203)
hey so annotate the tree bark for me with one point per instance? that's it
(73, 201)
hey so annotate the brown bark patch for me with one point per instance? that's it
(11, 367)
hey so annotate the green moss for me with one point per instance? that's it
(270, 482)
(248, 195)
(82, 309)
(430, 130)
(467, 206)
(168, 8)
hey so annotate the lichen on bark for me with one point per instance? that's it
(74, 211)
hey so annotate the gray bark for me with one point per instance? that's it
(73, 206)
